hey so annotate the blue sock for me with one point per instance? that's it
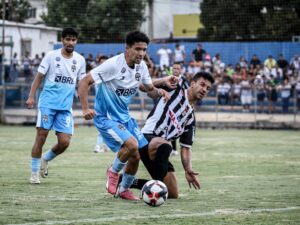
(99, 139)
(49, 155)
(117, 165)
(35, 165)
(127, 181)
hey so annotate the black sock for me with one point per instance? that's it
(161, 161)
(174, 145)
(137, 183)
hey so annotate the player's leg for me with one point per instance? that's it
(44, 124)
(63, 125)
(170, 181)
(159, 152)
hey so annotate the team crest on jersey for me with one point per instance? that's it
(138, 76)
(57, 58)
(74, 61)
(121, 127)
(123, 70)
(73, 68)
(45, 118)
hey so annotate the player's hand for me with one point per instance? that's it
(164, 94)
(171, 81)
(89, 114)
(192, 179)
(30, 103)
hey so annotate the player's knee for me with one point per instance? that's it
(132, 145)
(64, 144)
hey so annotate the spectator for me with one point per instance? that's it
(285, 91)
(198, 55)
(179, 54)
(297, 90)
(223, 90)
(27, 67)
(235, 94)
(282, 63)
(218, 65)
(164, 56)
(246, 94)
(272, 93)
(295, 64)
(243, 62)
(259, 84)
(269, 64)
(35, 63)
(255, 61)
(89, 62)
(14, 73)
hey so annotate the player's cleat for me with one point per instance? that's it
(112, 181)
(128, 195)
(34, 178)
(173, 153)
(100, 149)
(44, 168)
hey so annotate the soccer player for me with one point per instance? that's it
(60, 69)
(118, 79)
(166, 122)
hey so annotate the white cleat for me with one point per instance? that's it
(34, 178)
(100, 149)
(44, 168)
(173, 153)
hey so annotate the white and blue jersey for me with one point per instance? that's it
(61, 75)
(117, 85)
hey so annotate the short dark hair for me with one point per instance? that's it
(205, 75)
(103, 57)
(136, 36)
(69, 31)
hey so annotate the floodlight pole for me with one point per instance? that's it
(2, 65)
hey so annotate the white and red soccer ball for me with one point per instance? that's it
(154, 193)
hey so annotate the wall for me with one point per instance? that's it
(230, 52)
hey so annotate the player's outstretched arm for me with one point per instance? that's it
(190, 175)
(83, 89)
(154, 92)
(35, 84)
(169, 82)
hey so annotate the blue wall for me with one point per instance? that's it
(230, 51)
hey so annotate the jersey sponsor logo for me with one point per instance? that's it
(62, 79)
(138, 76)
(126, 92)
(174, 120)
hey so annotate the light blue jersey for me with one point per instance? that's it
(61, 76)
(117, 85)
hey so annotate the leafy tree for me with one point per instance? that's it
(249, 20)
(97, 21)
(15, 10)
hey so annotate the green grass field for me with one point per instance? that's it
(247, 176)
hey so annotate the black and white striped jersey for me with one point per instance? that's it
(173, 119)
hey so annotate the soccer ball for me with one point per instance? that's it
(154, 193)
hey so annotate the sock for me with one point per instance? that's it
(99, 139)
(161, 161)
(35, 165)
(137, 182)
(127, 180)
(117, 165)
(49, 155)
(174, 145)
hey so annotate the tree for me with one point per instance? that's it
(231, 20)
(15, 10)
(97, 21)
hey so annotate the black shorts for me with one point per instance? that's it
(148, 163)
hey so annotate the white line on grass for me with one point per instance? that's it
(217, 212)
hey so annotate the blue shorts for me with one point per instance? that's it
(58, 120)
(115, 134)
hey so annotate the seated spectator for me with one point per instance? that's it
(297, 89)
(235, 93)
(269, 64)
(243, 62)
(282, 63)
(198, 55)
(255, 61)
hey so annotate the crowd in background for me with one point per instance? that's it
(268, 80)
